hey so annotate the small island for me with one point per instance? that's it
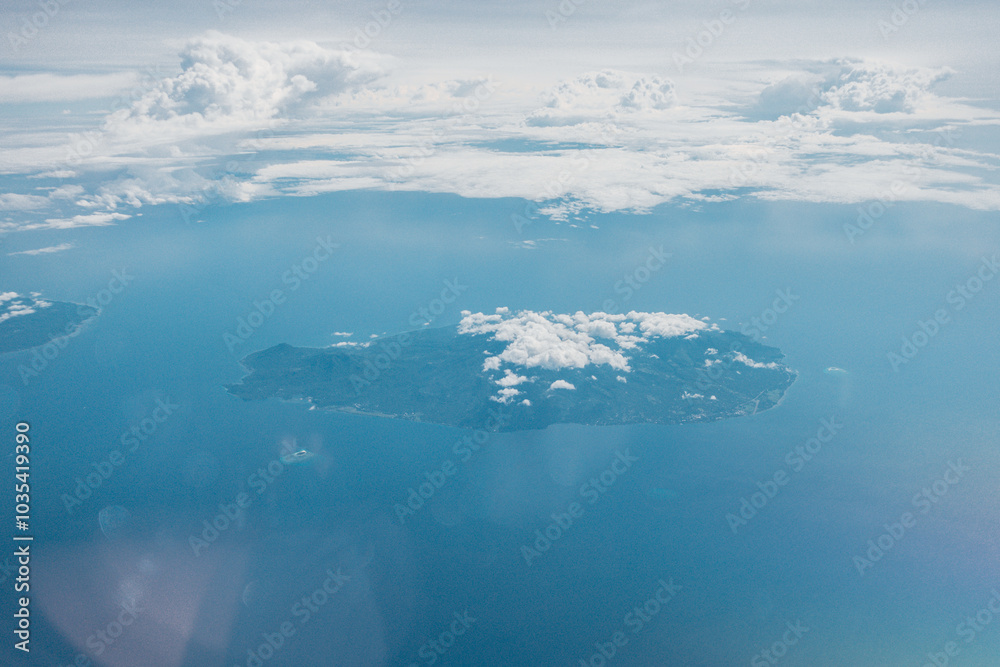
(527, 370)
(27, 321)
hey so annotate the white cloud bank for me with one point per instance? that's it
(841, 131)
(245, 120)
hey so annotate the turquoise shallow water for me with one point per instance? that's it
(664, 518)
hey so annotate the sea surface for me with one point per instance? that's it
(399, 584)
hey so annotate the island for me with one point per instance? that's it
(528, 370)
(27, 321)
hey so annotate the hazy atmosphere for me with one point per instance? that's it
(527, 333)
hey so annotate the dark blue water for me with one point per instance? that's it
(460, 556)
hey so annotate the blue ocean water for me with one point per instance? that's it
(317, 568)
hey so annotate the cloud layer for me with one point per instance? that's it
(246, 120)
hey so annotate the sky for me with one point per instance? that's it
(576, 106)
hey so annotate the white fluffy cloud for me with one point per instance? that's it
(744, 359)
(602, 96)
(882, 88)
(13, 304)
(854, 86)
(229, 84)
(556, 341)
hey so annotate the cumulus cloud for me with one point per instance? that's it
(229, 84)
(173, 132)
(505, 395)
(13, 304)
(561, 384)
(851, 85)
(882, 88)
(555, 341)
(602, 96)
(744, 359)
(511, 379)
